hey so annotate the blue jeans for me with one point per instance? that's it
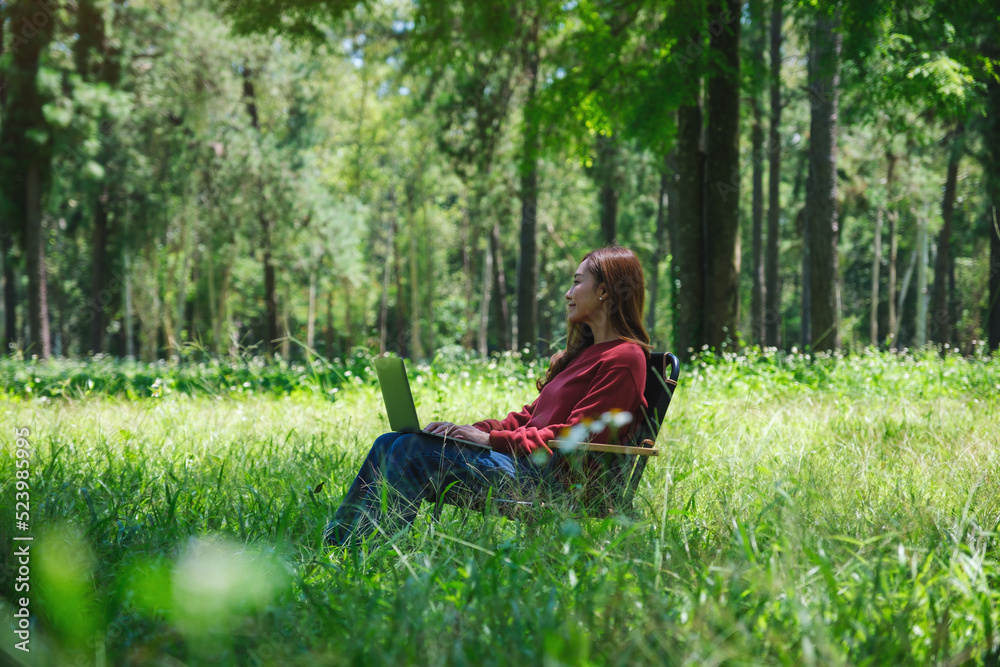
(419, 467)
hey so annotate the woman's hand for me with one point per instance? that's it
(449, 430)
(439, 428)
(470, 433)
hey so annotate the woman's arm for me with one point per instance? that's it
(616, 388)
(511, 421)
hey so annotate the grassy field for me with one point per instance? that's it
(804, 511)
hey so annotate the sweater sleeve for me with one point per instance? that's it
(510, 422)
(616, 388)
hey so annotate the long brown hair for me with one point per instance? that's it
(620, 271)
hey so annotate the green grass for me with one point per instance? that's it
(803, 511)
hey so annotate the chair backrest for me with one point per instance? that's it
(613, 478)
(662, 371)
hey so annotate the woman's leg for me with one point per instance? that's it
(354, 503)
(418, 467)
(423, 468)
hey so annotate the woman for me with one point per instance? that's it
(603, 368)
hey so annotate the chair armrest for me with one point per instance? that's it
(614, 449)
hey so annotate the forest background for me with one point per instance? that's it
(182, 176)
(270, 192)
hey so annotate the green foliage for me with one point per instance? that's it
(76, 379)
(390, 137)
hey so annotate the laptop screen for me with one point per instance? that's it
(396, 394)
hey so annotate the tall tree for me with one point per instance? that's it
(893, 215)
(6, 227)
(270, 282)
(821, 195)
(722, 220)
(757, 76)
(689, 251)
(940, 312)
(607, 175)
(971, 32)
(501, 310)
(26, 156)
(527, 277)
(991, 134)
(772, 290)
(97, 62)
(666, 205)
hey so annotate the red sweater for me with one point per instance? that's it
(605, 376)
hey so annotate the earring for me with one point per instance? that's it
(600, 298)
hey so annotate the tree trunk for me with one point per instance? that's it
(286, 342)
(191, 318)
(38, 307)
(3, 71)
(213, 306)
(876, 268)
(429, 273)
(757, 216)
(311, 315)
(223, 310)
(921, 320)
(25, 164)
(772, 291)
(953, 301)
(527, 278)
(877, 260)
(501, 310)
(606, 171)
(328, 330)
(940, 331)
(402, 347)
(270, 286)
(659, 252)
(806, 284)
(467, 277)
(98, 269)
(722, 220)
(821, 195)
(150, 318)
(673, 206)
(484, 304)
(689, 253)
(901, 297)
(6, 236)
(993, 312)
(417, 350)
(759, 288)
(348, 319)
(383, 319)
(546, 301)
(96, 60)
(174, 331)
(57, 304)
(893, 216)
(9, 293)
(991, 143)
(129, 314)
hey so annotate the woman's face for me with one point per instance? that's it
(584, 297)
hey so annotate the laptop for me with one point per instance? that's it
(399, 406)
